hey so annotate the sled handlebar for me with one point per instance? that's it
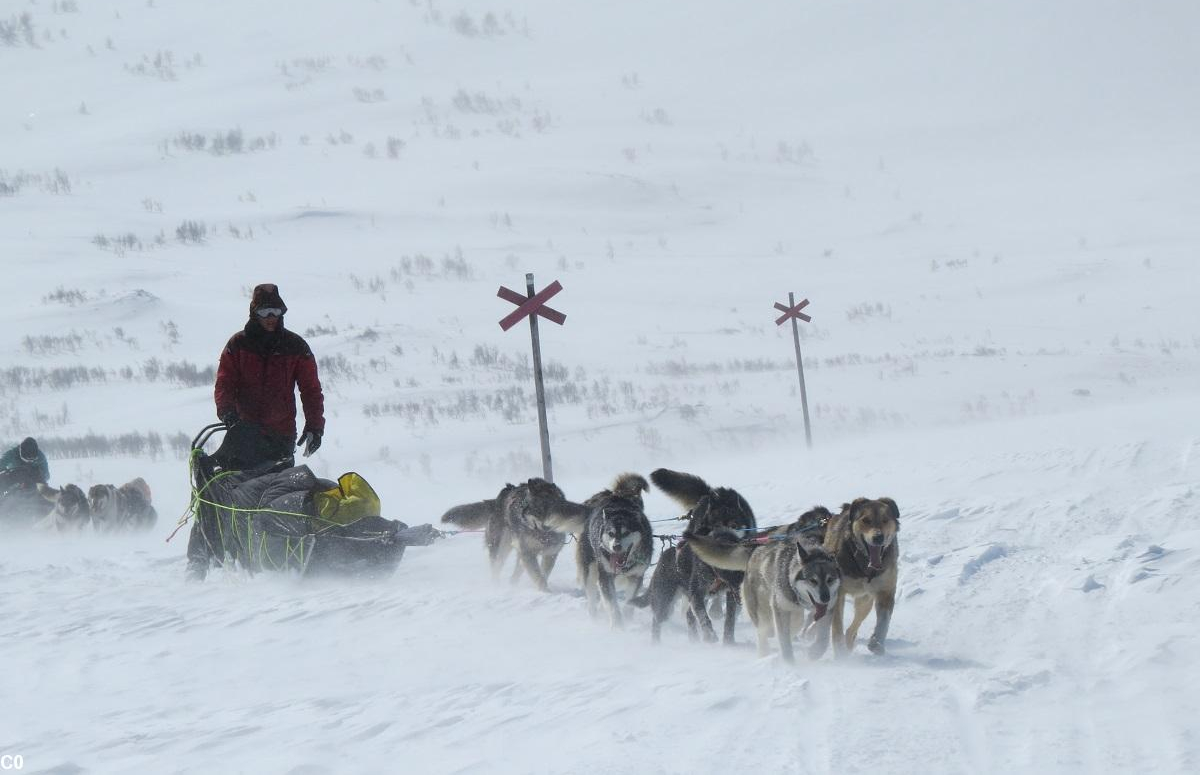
(206, 433)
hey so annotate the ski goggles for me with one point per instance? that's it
(268, 312)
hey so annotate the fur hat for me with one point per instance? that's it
(266, 295)
(28, 450)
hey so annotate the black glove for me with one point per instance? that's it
(310, 440)
(230, 418)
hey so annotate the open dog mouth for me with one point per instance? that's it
(618, 560)
(819, 609)
(874, 556)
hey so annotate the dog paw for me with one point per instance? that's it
(710, 636)
(875, 646)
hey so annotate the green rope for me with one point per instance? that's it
(260, 510)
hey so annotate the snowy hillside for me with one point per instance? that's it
(991, 207)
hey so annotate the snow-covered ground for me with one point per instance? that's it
(991, 206)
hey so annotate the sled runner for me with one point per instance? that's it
(277, 517)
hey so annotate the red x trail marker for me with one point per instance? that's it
(531, 305)
(791, 312)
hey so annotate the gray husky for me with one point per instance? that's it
(788, 578)
(115, 509)
(517, 519)
(614, 543)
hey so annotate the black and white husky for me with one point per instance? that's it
(790, 580)
(70, 511)
(681, 572)
(614, 543)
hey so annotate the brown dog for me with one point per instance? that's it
(863, 540)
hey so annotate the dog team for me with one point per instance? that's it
(108, 508)
(793, 579)
(24, 477)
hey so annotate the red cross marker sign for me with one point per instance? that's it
(791, 312)
(531, 305)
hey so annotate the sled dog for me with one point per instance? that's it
(117, 509)
(681, 572)
(516, 519)
(614, 543)
(789, 578)
(70, 512)
(862, 538)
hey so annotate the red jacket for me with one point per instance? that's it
(258, 376)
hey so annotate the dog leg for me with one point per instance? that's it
(821, 641)
(884, 604)
(660, 609)
(588, 573)
(548, 561)
(636, 590)
(862, 607)
(783, 632)
(835, 624)
(732, 603)
(498, 547)
(529, 559)
(697, 615)
(764, 629)
(762, 624)
(609, 593)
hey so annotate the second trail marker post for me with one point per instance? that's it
(792, 312)
(532, 305)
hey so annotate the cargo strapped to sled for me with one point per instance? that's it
(352, 500)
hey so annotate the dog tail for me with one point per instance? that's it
(471, 516)
(684, 489)
(725, 555)
(567, 517)
(630, 486)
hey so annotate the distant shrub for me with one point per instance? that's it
(18, 30)
(192, 232)
(52, 345)
(151, 445)
(21, 379)
(233, 141)
(69, 296)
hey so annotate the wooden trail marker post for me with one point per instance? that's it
(792, 312)
(533, 305)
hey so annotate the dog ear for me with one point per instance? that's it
(801, 551)
(893, 510)
(853, 508)
(816, 514)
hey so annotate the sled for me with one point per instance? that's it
(285, 518)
